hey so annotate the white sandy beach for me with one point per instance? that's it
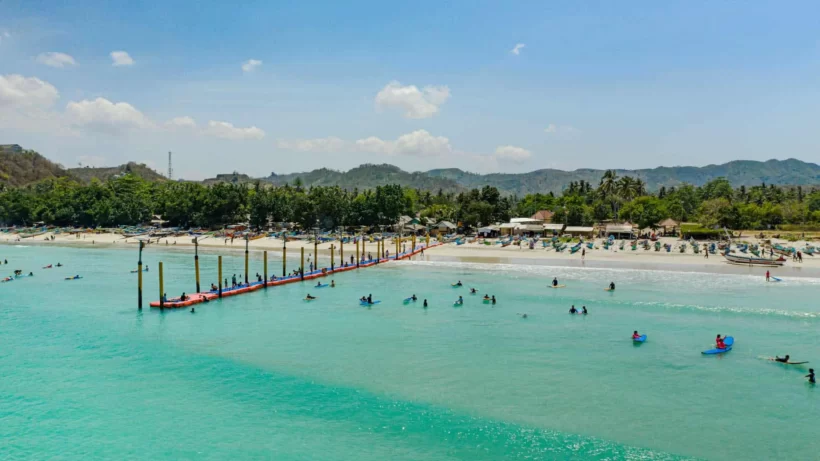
(468, 252)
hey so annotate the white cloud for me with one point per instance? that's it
(106, 116)
(419, 143)
(512, 153)
(415, 103)
(121, 58)
(228, 131)
(18, 92)
(565, 131)
(181, 123)
(517, 48)
(56, 59)
(250, 65)
(373, 145)
(330, 144)
(423, 144)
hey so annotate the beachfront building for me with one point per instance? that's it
(669, 226)
(545, 216)
(553, 228)
(580, 231)
(444, 227)
(522, 226)
(620, 231)
(489, 231)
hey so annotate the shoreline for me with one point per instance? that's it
(467, 253)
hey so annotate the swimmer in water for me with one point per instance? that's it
(635, 335)
(555, 282)
(573, 310)
(332, 284)
(310, 297)
(193, 311)
(414, 297)
(493, 300)
(611, 286)
(782, 359)
(585, 311)
(473, 291)
(811, 376)
(425, 304)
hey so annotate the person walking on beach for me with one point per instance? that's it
(583, 253)
(768, 276)
(705, 251)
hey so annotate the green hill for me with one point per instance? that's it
(742, 172)
(19, 167)
(86, 174)
(367, 177)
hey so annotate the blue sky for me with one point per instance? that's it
(292, 86)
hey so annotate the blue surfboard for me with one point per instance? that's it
(365, 303)
(639, 339)
(728, 341)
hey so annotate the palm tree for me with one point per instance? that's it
(639, 187)
(608, 188)
(607, 185)
(626, 188)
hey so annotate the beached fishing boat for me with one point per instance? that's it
(33, 234)
(752, 261)
(781, 250)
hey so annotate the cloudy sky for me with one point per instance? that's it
(480, 85)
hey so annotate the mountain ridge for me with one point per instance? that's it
(788, 172)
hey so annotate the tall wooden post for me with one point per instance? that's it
(139, 277)
(196, 263)
(357, 253)
(265, 255)
(342, 251)
(302, 267)
(246, 258)
(220, 277)
(161, 288)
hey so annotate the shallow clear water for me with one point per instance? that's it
(268, 376)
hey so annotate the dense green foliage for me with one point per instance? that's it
(130, 200)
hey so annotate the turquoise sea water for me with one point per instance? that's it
(267, 376)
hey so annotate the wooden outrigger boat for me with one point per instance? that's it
(752, 261)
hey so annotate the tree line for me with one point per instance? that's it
(130, 200)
